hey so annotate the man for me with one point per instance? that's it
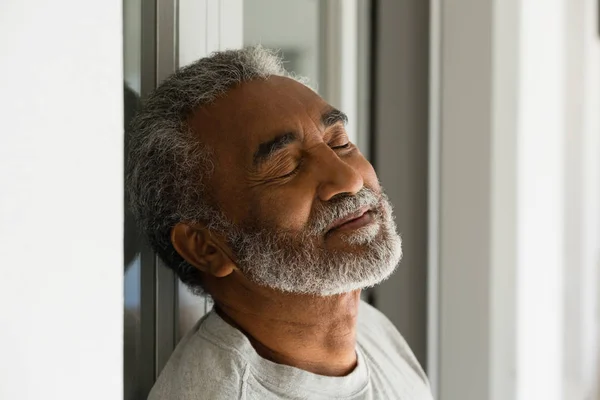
(246, 185)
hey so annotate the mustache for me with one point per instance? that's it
(326, 213)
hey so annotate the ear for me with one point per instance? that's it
(204, 250)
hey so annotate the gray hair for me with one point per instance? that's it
(168, 163)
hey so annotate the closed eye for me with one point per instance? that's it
(291, 173)
(344, 146)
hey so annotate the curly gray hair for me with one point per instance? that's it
(167, 161)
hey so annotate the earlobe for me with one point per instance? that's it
(201, 249)
(220, 264)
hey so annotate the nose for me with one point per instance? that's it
(336, 176)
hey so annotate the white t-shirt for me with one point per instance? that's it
(215, 361)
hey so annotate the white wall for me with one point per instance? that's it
(518, 190)
(61, 256)
(558, 200)
(582, 183)
(541, 140)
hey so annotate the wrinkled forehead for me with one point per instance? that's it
(256, 111)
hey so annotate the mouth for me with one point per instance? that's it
(356, 220)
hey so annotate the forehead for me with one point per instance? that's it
(256, 111)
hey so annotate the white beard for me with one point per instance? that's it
(299, 262)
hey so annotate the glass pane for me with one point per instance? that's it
(191, 309)
(132, 283)
(289, 25)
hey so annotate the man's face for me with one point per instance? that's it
(302, 209)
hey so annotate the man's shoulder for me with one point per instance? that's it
(201, 367)
(372, 322)
(378, 336)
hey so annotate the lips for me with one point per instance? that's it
(348, 219)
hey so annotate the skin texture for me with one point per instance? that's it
(314, 333)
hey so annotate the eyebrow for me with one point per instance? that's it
(332, 117)
(268, 149)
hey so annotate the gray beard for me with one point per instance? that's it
(301, 263)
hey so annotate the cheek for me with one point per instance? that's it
(287, 208)
(228, 195)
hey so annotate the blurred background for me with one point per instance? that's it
(481, 117)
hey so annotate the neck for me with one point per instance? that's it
(313, 333)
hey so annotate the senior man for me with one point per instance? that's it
(246, 184)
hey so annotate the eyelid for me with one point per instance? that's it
(340, 147)
(293, 172)
(338, 135)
